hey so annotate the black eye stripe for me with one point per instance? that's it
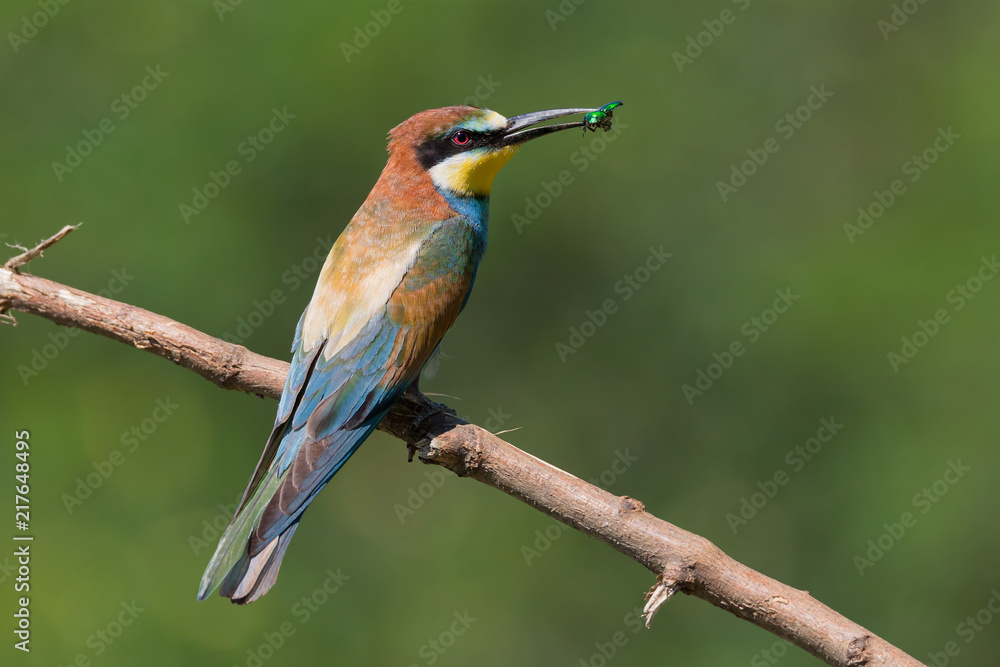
(434, 151)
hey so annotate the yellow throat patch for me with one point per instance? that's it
(471, 173)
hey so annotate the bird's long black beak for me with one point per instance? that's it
(519, 128)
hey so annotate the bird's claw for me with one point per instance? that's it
(413, 448)
(429, 411)
(423, 414)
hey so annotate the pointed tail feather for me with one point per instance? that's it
(246, 562)
(233, 546)
(254, 575)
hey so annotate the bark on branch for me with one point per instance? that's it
(681, 561)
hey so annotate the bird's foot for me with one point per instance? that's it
(429, 411)
(413, 448)
(425, 412)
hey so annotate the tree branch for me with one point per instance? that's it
(15, 263)
(681, 561)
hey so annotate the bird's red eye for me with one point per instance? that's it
(460, 138)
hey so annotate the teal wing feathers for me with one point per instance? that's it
(332, 402)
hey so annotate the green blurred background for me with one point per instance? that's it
(136, 540)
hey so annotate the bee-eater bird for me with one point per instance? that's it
(392, 285)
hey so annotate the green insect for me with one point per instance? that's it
(600, 118)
